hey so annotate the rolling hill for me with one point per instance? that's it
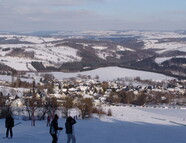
(162, 52)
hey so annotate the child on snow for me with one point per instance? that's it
(69, 130)
(9, 123)
(54, 128)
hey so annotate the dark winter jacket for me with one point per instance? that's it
(9, 122)
(54, 126)
(69, 125)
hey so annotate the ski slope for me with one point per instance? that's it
(127, 125)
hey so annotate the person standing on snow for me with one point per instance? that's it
(48, 121)
(54, 128)
(9, 124)
(69, 130)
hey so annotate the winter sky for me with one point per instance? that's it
(48, 15)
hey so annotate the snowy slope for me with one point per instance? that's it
(31, 39)
(110, 73)
(43, 52)
(128, 124)
(163, 47)
(162, 59)
(151, 41)
(52, 51)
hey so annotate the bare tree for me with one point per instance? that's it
(141, 99)
(85, 106)
(67, 104)
(32, 104)
(105, 85)
(50, 106)
(48, 77)
(4, 106)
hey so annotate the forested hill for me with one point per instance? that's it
(162, 52)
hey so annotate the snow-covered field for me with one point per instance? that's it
(7, 78)
(44, 51)
(31, 39)
(127, 125)
(163, 47)
(162, 59)
(105, 74)
(110, 73)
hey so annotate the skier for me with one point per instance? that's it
(48, 121)
(69, 129)
(54, 128)
(9, 124)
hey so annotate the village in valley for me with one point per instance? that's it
(87, 94)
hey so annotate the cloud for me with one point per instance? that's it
(23, 15)
(176, 12)
(33, 7)
(34, 19)
(42, 3)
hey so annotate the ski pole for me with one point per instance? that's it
(58, 133)
(17, 124)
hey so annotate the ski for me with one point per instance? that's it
(7, 138)
(177, 123)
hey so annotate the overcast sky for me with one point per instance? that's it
(49, 15)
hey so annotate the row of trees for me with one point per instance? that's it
(128, 97)
(4, 106)
(41, 106)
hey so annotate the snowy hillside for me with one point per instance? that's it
(18, 52)
(162, 52)
(38, 49)
(112, 73)
(128, 124)
(166, 46)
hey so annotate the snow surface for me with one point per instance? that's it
(121, 48)
(45, 53)
(13, 91)
(8, 78)
(110, 73)
(163, 47)
(162, 59)
(99, 47)
(23, 64)
(127, 125)
(31, 39)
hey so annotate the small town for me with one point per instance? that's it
(87, 94)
